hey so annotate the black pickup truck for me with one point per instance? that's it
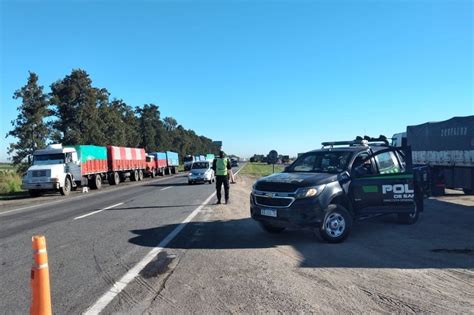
(328, 189)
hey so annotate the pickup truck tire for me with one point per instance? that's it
(66, 189)
(336, 225)
(97, 182)
(468, 191)
(271, 228)
(409, 218)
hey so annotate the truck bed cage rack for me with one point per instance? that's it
(358, 141)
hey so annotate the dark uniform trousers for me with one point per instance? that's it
(219, 181)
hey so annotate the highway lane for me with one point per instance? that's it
(90, 249)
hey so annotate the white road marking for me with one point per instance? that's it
(29, 207)
(166, 188)
(135, 271)
(94, 212)
(85, 196)
(240, 169)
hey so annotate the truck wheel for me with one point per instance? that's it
(336, 225)
(35, 193)
(66, 189)
(270, 228)
(134, 176)
(115, 179)
(468, 191)
(97, 182)
(409, 218)
(153, 173)
(140, 175)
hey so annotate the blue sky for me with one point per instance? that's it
(258, 75)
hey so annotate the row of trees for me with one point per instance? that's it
(75, 112)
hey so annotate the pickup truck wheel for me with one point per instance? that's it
(336, 225)
(468, 191)
(271, 228)
(97, 183)
(66, 189)
(409, 218)
(35, 193)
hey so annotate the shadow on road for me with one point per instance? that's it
(442, 239)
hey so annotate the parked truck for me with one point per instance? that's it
(446, 149)
(160, 163)
(210, 157)
(58, 168)
(172, 161)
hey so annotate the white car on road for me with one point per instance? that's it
(201, 172)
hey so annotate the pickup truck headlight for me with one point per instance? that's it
(308, 192)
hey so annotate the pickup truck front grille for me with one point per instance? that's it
(273, 202)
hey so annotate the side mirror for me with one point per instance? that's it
(286, 168)
(344, 177)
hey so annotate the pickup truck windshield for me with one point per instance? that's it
(200, 165)
(321, 162)
(43, 159)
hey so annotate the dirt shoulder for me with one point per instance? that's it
(224, 262)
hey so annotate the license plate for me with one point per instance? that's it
(268, 212)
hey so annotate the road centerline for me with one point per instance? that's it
(97, 211)
(166, 188)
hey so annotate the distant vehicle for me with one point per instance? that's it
(63, 169)
(172, 161)
(234, 163)
(158, 163)
(446, 149)
(188, 162)
(328, 188)
(58, 168)
(210, 157)
(190, 159)
(201, 172)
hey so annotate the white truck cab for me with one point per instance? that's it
(54, 168)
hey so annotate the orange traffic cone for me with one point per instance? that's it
(41, 296)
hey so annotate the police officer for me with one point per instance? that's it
(221, 167)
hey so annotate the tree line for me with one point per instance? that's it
(76, 112)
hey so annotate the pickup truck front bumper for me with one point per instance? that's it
(302, 213)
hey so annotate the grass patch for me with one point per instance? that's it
(260, 169)
(10, 182)
(7, 167)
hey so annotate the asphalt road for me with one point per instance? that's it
(223, 262)
(88, 249)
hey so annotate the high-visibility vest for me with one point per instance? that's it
(221, 167)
